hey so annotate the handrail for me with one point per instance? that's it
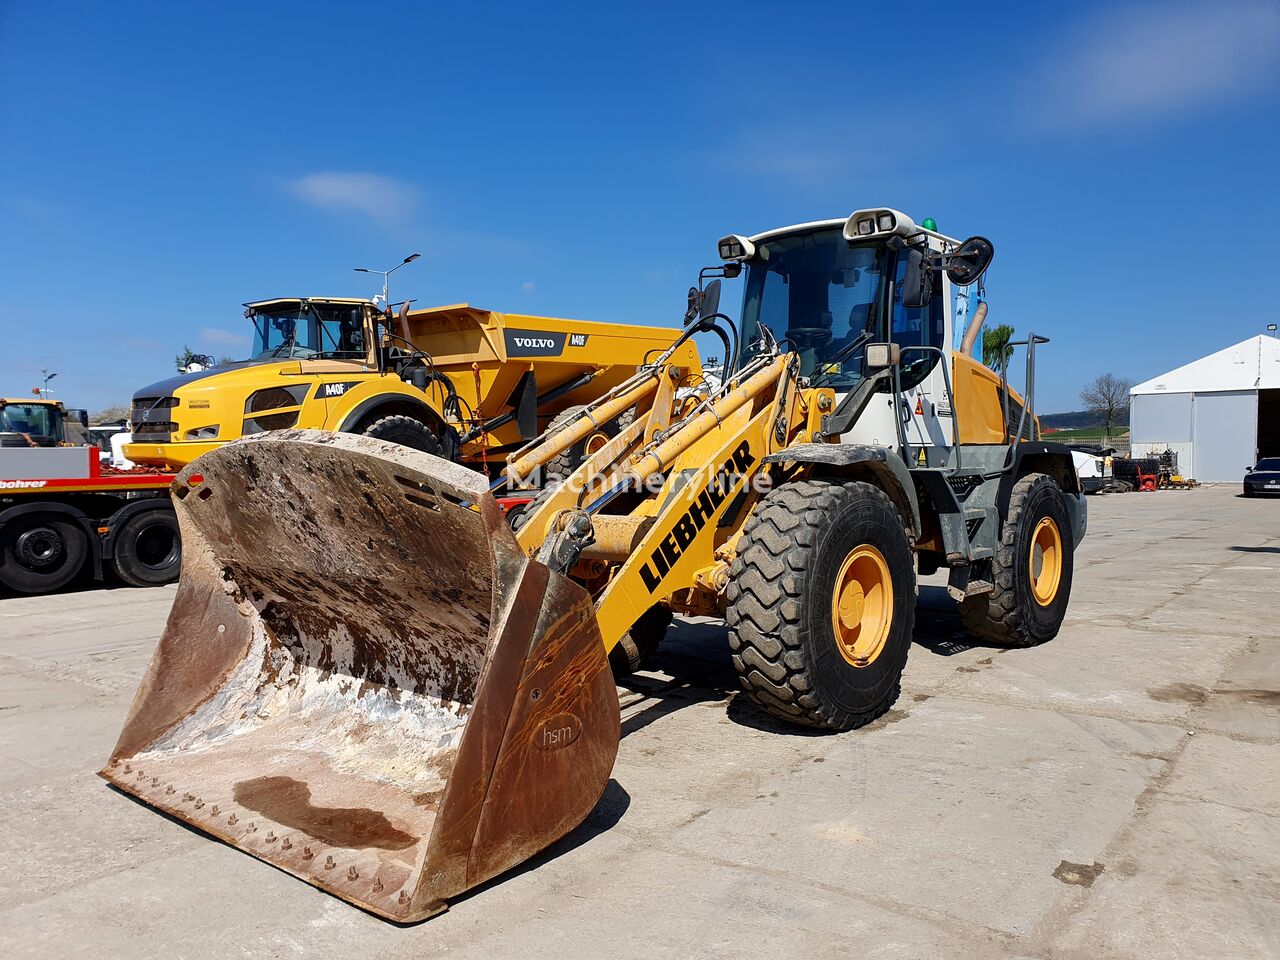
(951, 398)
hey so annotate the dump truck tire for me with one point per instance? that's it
(640, 642)
(822, 604)
(40, 552)
(560, 467)
(1031, 571)
(148, 548)
(407, 432)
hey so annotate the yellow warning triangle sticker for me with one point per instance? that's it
(919, 408)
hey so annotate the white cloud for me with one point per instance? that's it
(527, 286)
(231, 339)
(1151, 60)
(384, 199)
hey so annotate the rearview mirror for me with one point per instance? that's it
(970, 261)
(917, 279)
(710, 304)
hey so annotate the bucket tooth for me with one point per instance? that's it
(360, 657)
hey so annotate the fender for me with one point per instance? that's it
(81, 520)
(1054, 460)
(402, 404)
(887, 467)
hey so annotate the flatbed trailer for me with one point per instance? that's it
(63, 514)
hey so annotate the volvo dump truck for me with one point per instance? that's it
(370, 681)
(457, 381)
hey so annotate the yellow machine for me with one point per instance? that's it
(456, 381)
(377, 686)
(38, 422)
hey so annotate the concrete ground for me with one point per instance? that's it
(1114, 793)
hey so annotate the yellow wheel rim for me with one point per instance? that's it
(595, 443)
(1046, 561)
(862, 606)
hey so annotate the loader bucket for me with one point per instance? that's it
(363, 681)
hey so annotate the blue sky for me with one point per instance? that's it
(163, 162)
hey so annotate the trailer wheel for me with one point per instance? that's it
(1031, 571)
(148, 548)
(407, 432)
(561, 466)
(822, 604)
(40, 552)
(640, 642)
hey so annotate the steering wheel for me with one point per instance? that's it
(796, 334)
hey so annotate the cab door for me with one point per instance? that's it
(925, 408)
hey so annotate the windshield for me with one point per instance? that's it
(818, 296)
(1270, 463)
(309, 330)
(34, 419)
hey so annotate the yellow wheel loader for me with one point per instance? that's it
(456, 381)
(371, 682)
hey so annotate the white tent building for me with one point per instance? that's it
(1220, 413)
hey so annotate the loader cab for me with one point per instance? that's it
(311, 329)
(36, 423)
(824, 298)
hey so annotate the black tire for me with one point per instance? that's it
(40, 552)
(559, 467)
(520, 516)
(640, 642)
(407, 432)
(780, 603)
(147, 549)
(1010, 614)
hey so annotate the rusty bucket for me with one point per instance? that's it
(363, 681)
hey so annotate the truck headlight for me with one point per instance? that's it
(203, 433)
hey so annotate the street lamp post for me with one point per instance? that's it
(44, 392)
(386, 275)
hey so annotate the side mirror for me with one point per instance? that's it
(917, 279)
(970, 260)
(710, 304)
(880, 355)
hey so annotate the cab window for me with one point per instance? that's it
(917, 326)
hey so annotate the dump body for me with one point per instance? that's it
(363, 680)
(511, 374)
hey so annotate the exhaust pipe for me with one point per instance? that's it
(975, 327)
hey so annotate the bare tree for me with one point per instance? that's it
(1107, 396)
(112, 414)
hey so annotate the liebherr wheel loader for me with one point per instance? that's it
(371, 682)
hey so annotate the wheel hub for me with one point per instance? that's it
(862, 606)
(38, 549)
(1046, 561)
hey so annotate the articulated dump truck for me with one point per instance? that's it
(457, 381)
(373, 683)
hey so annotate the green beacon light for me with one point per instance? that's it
(930, 224)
